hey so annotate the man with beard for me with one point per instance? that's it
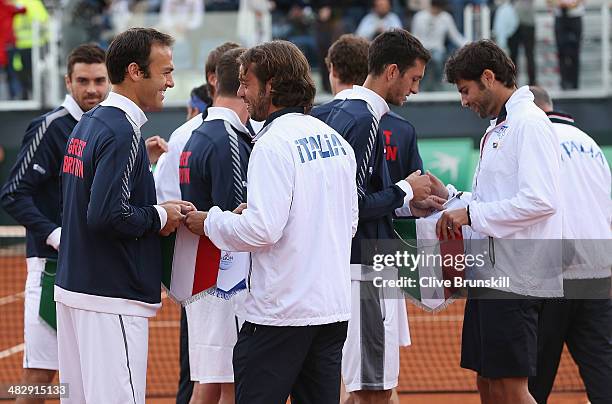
(515, 211)
(301, 214)
(396, 64)
(214, 166)
(31, 196)
(109, 268)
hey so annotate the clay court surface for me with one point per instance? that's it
(429, 368)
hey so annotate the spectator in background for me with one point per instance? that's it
(379, 20)
(24, 33)
(432, 27)
(328, 28)
(505, 24)
(524, 35)
(7, 43)
(568, 35)
(254, 22)
(354, 13)
(183, 18)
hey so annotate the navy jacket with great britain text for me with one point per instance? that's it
(110, 259)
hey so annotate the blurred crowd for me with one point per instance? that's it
(311, 24)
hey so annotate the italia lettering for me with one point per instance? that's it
(322, 146)
(570, 148)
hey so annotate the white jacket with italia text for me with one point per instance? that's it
(301, 215)
(516, 200)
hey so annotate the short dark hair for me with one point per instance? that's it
(287, 68)
(397, 46)
(349, 57)
(541, 98)
(87, 53)
(213, 57)
(228, 70)
(470, 61)
(202, 93)
(133, 46)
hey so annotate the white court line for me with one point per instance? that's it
(12, 350)
(11, 298)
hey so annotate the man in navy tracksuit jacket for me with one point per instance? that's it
(208, 158)
(396, 63)
(347, 61)
(401, 149)
(32, 197)
(213, 172)
(109, 270)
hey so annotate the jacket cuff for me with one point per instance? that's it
(211, 212)
(54, 238)
(163, 216)
(405, 186)
(476, 218)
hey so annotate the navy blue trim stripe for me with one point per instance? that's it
(125, 189)
(127, 356)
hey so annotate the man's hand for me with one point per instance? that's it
(449, 225)
(175, 214)
(195, 222)
(437, 187)
(240, 208)
(427, 206)
(186, 206)
(420, 184)
(156, 146)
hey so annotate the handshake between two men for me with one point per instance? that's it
(185, 212)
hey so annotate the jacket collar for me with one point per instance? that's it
(377, 104)
(517, 98)
(274, 115)
(72, 107)
(128, 106)
(561, 117)
(228, 115)
(343, 95)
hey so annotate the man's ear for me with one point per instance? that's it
(392, 71)
(134, 72)
(488, 78)
(269, 86)
(68, 84)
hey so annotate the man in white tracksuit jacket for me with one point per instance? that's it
(301, 215)
(583, 318)
(515, 215)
